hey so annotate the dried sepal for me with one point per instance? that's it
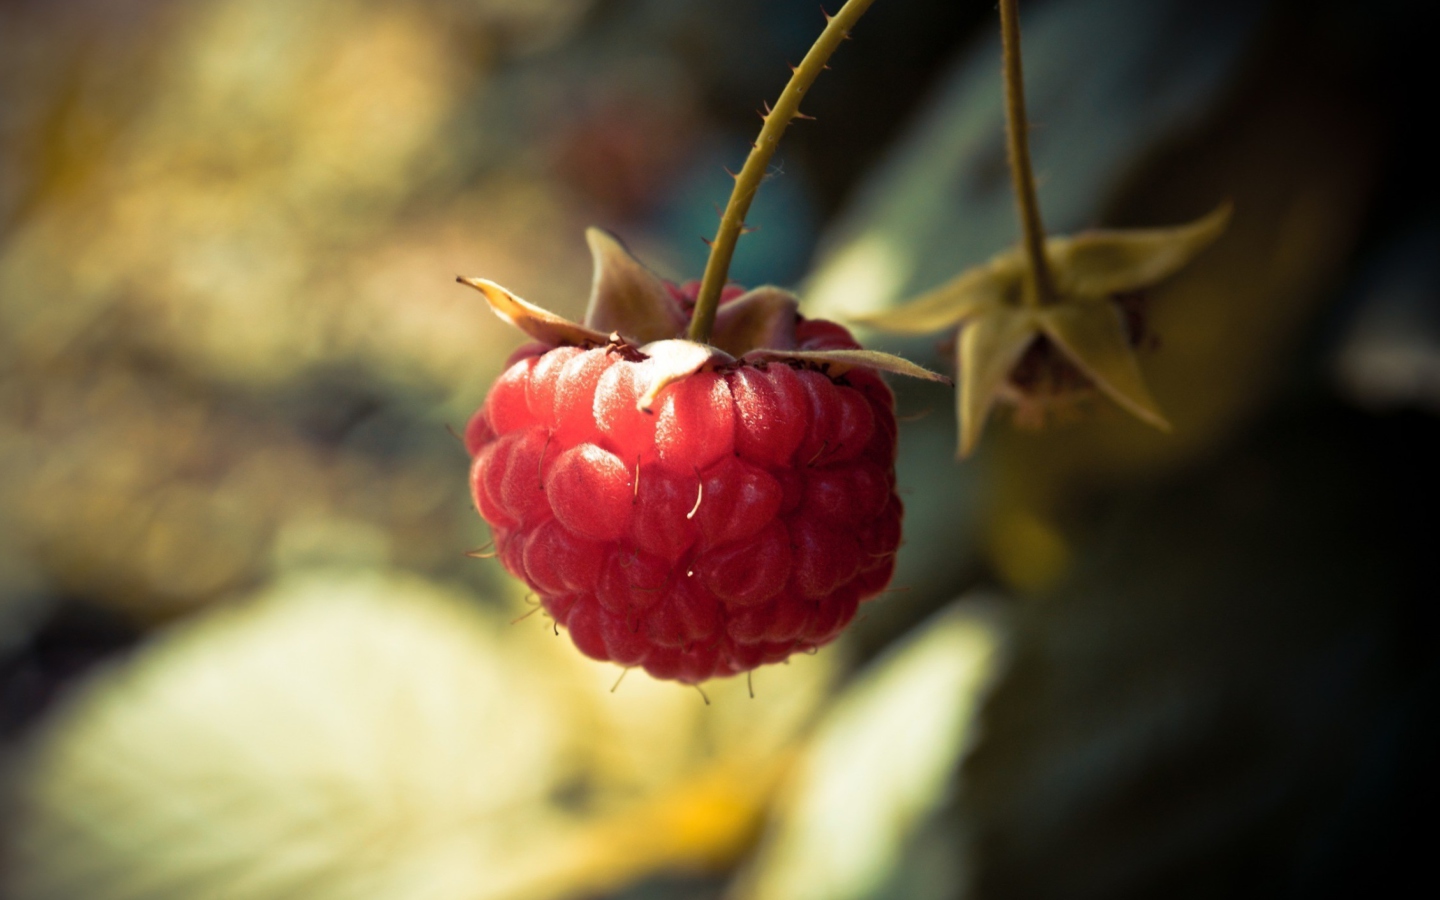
(627, 297)
(762, 317)
(839, 361)
(669, 361)
(541, 324)
(988, 349)
(997, 282)
(1094, 337)
(1101, 263)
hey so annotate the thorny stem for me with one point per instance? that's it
(732, 223)
(1018, 141)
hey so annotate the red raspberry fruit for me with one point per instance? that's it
(740, 521)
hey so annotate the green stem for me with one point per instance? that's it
(1018, 140)
(732, 223)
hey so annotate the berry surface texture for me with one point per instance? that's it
(741, 519)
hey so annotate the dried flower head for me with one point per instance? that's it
(1042, 355)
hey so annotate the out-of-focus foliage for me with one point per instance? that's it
(350, 735)
(880, 765)
(227, 323)
(237, 225)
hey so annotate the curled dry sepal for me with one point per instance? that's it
(631, 306)
(1041, 355)
(698, 509)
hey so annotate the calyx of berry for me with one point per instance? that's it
(634, 310)
(999, 318)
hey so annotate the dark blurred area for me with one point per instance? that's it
(231, 347)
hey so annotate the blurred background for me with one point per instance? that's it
(243, 653)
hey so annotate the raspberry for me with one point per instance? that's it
(740, 520)
(695, 479)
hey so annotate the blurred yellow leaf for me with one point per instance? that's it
(378, 736)
(882, 759)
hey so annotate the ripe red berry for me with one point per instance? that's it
(739, 521)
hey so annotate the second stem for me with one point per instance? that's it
(1017, 129)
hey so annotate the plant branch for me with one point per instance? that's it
(732, 222)
(1017, 130)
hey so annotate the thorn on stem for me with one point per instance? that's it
(801, 115)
